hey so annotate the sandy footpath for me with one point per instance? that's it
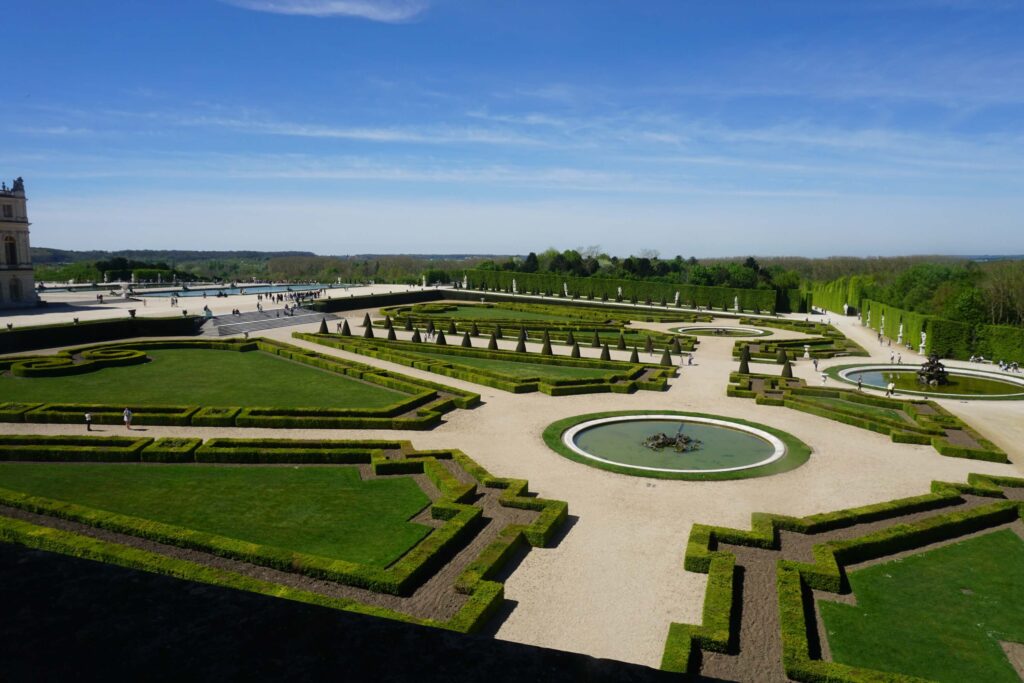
(615, 581)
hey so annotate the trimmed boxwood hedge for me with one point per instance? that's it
(22, 339)
(703, 556)
(621, 378)
(72, 448)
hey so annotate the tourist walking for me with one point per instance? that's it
(88, 422)
(815, 361)
(890, 389)
(860, 384)
(127, 415)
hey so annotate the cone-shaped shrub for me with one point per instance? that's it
(621, 346)
(546, 338)
(475, 331)
(451, 327)
(634, 357)
(387, 322)
(323, 326)
(745, 353)
(366, 320)
(649, 345)
(596, 341)
(408, 324)
(465, 340)
(666, 358)
(744, 367)
(345, 331)
(368, 332)
(441, 341)
(497, 332)
(605, 354)
(575, 353)
(391, 334)
(430, 327)
(416, 336)
(546, 349)
(787, 370)
(492, 343)
(521, 346)
(781, 356)
(570, 338)
(675, 345)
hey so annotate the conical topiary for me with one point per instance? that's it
(416, 336)
(522, 334)
(649, 345)
(323, 326)
(596, 341)
(676, 348)
(391, 334)
(744, 367)
(781, 356)
(521, 346)
(441, 341)
(345, 331)
(666, 357)
(451, 327)
(634, 357)
(605, 354)
(787, 370)
(570, 338)
(621, 346)
(497, 332)
(492, 343)
(546, 338)
(368, 332)
(366, 320)
(465, 340)
(475, 331)
(387, 322)
(546, 349)
(575, 353)
(408, 324)
(745, 352)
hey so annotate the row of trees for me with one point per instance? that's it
(590, 261)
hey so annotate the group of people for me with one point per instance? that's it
(127, 416)
(1012, 366)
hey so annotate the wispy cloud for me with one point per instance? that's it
(388, 11)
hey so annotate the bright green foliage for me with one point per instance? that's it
(938, 614)
(203, 377)
(326, 511)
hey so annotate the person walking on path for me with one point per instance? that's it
(890, 389)
(860, 384)
(127, 415)
(899, 359)
(815, 364)
(892, 356)
(88, 422)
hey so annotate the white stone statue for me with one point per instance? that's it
(736, 303)
(565, 289)
(899, 337)
(676, 302)
(846, 309)
(424, 280)
(868, 323)
(515, 287)
(807, 351)
(620, 292)
(465, 282)
(924, 340)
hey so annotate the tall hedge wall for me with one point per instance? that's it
(88, 332)
(831, 296)
(641, 290)
(913, 325)
(1000, 342)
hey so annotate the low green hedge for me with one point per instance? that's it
(171, 449)
(72, 448)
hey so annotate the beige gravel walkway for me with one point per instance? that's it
(615, 582)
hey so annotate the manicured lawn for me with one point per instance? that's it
(514, 369)
(484, 313)
(939, 614)
(204, 377)
(857, 408)
(325, 511)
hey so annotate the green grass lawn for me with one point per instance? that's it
(325, 511)
(525, 369)
(204, 377)
(485, 313)
(939, 614)
(856, 408)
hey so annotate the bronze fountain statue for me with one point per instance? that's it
(933, 372)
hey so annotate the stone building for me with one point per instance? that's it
(17, 283)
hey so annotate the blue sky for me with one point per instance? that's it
(706, 127)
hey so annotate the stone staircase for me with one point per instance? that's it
(255, 321)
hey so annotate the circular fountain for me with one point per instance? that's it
(676, 445)
(722, 331)
(960, 383)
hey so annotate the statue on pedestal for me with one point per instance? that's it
(932, 372)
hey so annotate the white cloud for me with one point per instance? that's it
(388, 11)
